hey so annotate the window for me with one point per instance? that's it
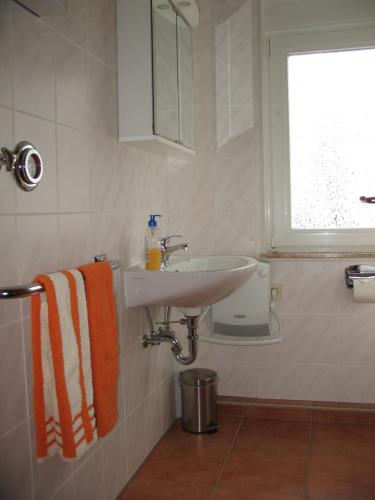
(321, 142)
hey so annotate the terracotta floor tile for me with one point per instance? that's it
(343, 416)
(269, 461)
(228, 427)
(191, 458)
(155, 489)
(341, 477)
(188, 463)
(262, 471)
(245, 493)
(343, 439)
(273, 436)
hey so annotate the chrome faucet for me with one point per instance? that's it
(167, 250)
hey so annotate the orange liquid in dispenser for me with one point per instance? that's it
(154, 259)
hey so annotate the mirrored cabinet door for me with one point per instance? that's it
(185, 83)
(165, 80)
(155, 71)
(172, 74)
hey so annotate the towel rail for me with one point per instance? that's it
(28, 289)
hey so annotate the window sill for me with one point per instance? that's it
(318, 255)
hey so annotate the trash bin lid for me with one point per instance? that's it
(198, 377)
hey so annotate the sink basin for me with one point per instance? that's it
(187, 282)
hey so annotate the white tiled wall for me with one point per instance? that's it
(57, 89)
(328, 347)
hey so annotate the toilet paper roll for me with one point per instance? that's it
(366, 268)
(364, 290)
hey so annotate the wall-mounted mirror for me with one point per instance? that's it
(172, 74)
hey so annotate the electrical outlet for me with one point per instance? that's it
(277, 287)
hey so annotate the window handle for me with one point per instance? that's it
(367, 199)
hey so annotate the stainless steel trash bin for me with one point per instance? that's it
(198, 395)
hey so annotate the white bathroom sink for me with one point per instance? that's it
(193, 282)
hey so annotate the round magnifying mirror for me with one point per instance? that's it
(28, 167)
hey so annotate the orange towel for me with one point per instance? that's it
(104, 343)
(63, 393)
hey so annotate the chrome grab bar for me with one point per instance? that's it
(367, 199)
(28, 289)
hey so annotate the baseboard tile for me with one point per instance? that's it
(316, 411)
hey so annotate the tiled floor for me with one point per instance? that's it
(253, 459)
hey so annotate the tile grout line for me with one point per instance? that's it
(226, 459)
(308, 464)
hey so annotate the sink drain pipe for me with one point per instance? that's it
(165, 334)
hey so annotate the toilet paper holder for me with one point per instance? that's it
(354, 273)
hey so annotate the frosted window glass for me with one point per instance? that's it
(332, 139)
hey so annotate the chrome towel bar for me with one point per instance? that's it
(20, 291)
(354, 273)
(367, 199)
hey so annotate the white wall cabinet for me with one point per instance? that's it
(155, 74)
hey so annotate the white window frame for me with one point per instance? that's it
(276, 136)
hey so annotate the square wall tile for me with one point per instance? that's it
(317, 382)
(38, 246)
(42, 134)
(105, 229)
(66, 492)
(236, 378)
(191, 186)
(101, 98)
(15, 466)
(132, 325)
(132, 177)
(153, 418)
(27, 342)
(9, 309)
(105, 180)
(5, 55)
(132, 238)
(114, 451)
(201, 237)
(136, 449)
(71, 86)
(168, 403)
(285, 274)
(7, 184)
(315, 277)
(100, 34)
(34, 65)
(73, 170)
(75, 22)
(89, 477)
(12, 380)
(50, 474)
(155, 191)
(142, 375)
(76, 244)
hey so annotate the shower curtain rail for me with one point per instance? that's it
(28, 289)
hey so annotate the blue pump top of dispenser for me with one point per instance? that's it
(152, 221)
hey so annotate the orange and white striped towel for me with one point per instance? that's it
(63, 394)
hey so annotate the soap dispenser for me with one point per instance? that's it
(152, 245)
